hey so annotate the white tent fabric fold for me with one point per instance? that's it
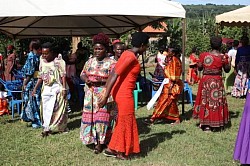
(33, 18)
(238, 17)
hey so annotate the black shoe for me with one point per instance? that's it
(148, 122)
(109, 154)
(45, 133)
(98, 149)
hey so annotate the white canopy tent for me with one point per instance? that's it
(26, 18)
(238, 17)
(40, 18)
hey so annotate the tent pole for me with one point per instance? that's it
(217, 29)
(144, 70)
(183, 59)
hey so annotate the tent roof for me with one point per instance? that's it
(238, 17)
(26, 18)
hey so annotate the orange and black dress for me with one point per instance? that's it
(166, 107)
(125, 136)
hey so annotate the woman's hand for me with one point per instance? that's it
(64, 94)
(87, 81)
(235, 72)
(33, 92)
(102, 100)
(24, 87)
(225, 59)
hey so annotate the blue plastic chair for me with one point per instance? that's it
(136, 91)
(154, 84)
(14, 94)
(188, 89)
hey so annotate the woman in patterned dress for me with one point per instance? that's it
(31, 104)
(52, 73)
(211, 105)
(242, 69)
(95, 126)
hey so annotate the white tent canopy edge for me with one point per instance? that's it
(26, 18)
(238, 17)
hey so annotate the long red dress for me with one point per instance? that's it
(211, 105)
(192, 75)
(125, 137)
(9, 65)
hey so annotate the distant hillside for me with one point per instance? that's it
(197, 11)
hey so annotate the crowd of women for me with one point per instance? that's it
(108, 121)
(108, 116)
(211, 107)
(236, 80)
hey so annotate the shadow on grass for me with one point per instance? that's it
(74, 115)
(234, 114)
(76, 123)
(9, 119)
(153, 140)
(187, 115)
(142, 127)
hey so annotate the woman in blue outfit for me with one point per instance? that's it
(31, 104)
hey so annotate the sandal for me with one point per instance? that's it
(122, 157)
(176, 122)
(207, 129)
(98, 149)
(45, 133)
(110, 153)
(148, 121)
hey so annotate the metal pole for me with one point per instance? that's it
(183, 59)
(143, 65)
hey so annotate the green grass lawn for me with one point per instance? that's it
(161, 144)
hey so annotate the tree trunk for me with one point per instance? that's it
(75, 41)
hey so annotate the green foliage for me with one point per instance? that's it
(201, 25)
(175, 33)
(231, 32)
(4, 42)
(197, 11)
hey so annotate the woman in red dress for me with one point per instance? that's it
(11, 57)
(211, 105)
(192, 76)
(125, 139)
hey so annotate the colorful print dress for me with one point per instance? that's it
(53, 105)
(211, 105)
(31, 111)
(159, 69)
(95, 125)
(242, 63)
